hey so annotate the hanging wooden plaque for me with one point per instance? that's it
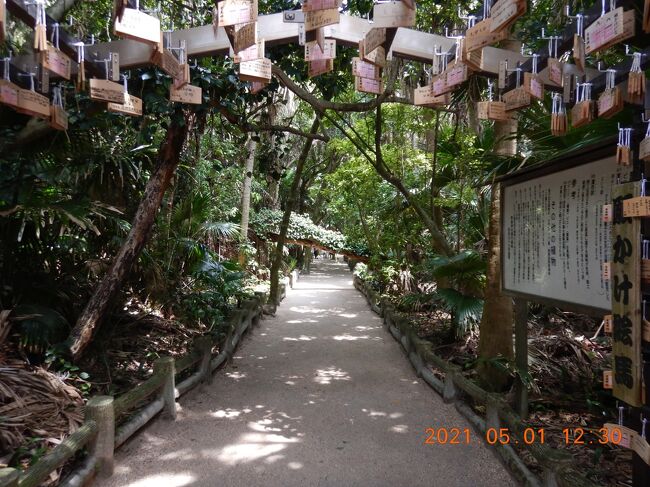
(440, 85)
(367, 85)
(492, 110)
(314, 53)
(321, 18)
(312, 5)
(132, 106)
(106, 90)
(629, 29)
(138, 26)
(55, 61)
(456, 74)
(555, 71)
(257, 70)
(58, 118)
(257, 86)
(374, 38)
(377, 57)
(424, 96)
(646, 16)
(187, 94)
(644, 149)
(32, 103)
(231, 12)
(393, 14)
(516, 99)
(505, 12)
(604, 30)
(364, 69)
(242, 36)
(320, 66)
(9, 93)
(170, 65)
(626, 301)
(481, 35)
(582, 113)
(256, 51)
(534, 86)
(610, 102)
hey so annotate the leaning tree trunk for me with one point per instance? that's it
(286, 217)
(246, 196)
(495, 339)
(101, 300)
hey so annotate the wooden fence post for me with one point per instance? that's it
(449, 392)
(165, 366)
(204, 345)
(8, 477)
(100, 409)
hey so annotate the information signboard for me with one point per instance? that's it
(553, 237)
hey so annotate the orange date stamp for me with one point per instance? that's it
(527, 436)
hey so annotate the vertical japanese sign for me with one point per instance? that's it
(626, 299)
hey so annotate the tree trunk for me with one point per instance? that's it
(286, 217)
(496, 329)
(99, 303)
(246, 196)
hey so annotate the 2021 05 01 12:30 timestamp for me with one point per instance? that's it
(503, 436)
(493, 436)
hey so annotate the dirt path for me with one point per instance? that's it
(320, 395)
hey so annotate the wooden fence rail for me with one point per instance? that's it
(109, 422)
(558, 466)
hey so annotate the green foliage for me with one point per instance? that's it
(39, 327)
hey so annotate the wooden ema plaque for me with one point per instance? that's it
(242, 36)
(319, 67)
(456, 74)
(534, 86)
(312, 5)
(166, 61)
(313, 51)
(555, 70)
(257, 86)
(138, 26)
(106, 90)
(56, 61)
(132, 106)
(492, 110)
(187, 94)
(393, 14)
(321, 18)
(515, 99)
(231, 12)
(374, 38)
(9, 93)
(610, 102)
(58, 118)
(33, 104)
(364, 69)
(367, 85)
(424, 97)
(636, 207)
(257, 70)
(481, 35)
(582, 113)
(604, 30)
(644, 149)
(439, 85)
(626, 300)
(256, 51)
(505, 12)
(377, 57)
(646, 16)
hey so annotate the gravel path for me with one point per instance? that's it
(320, 395)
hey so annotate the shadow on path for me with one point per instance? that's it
(319, 395)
